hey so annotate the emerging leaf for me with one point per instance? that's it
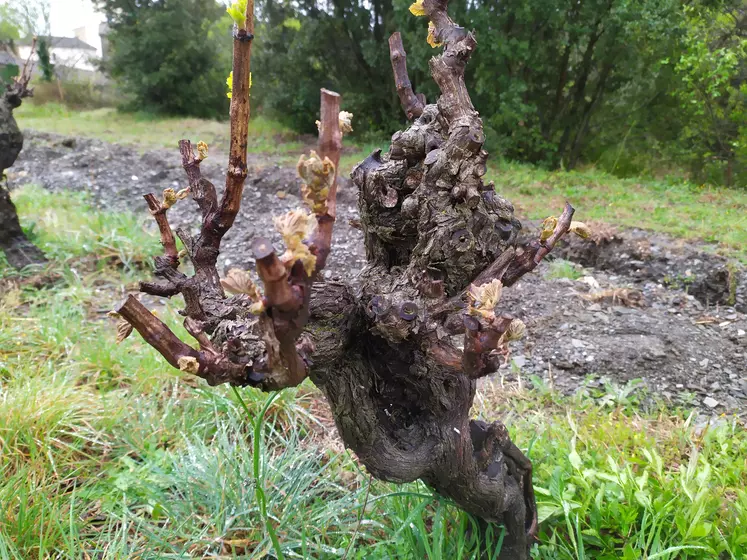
(580, 229)
(516, 330)
(485, 298)
(237, 11)
(417, 8)
(238, 281)
(548, 227)
(202, 148)
(294, 226)
(346, 122)
(170, 196)
(124, 329)
(432, 36)
(317, 176)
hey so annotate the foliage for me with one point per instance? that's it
(558, 83)
(631, 85)
(10, 25)
(300, 49)
(171, 56)
(548, 65)
(713, 93)
(76, 94)
(45, 64)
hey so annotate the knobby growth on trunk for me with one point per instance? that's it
(399, 357)
(19, 251)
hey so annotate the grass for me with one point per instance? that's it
(148, 131)
(107, 452)
(676, 207)
(560, 268)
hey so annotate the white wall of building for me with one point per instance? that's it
(71, 58)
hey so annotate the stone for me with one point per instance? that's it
(710, 402)
(519, 361)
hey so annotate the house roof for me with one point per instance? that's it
(61, 43)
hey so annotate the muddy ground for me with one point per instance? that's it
(646, 307)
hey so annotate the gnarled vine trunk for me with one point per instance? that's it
(19, 251)
(399, 357)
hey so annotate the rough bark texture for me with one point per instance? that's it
(19, 251)
(397, 359)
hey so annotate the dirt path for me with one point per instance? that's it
(648, 307)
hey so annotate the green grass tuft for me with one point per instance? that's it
(560, 268)
(713, 214)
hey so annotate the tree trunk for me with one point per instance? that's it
(19, 251)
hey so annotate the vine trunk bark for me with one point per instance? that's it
(19, 251)
(399, 356)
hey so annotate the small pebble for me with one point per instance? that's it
(710, 402)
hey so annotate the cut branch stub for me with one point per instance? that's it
(330, 148)
(167, 237)
(330, 139)
(274, 275)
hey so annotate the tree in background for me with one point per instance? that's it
(712, 94)
(170, 55)
(630, 85)
(10, 25)
(30, 18)
(10, 32)
(601, 81)
(45, 64)
(551, 65)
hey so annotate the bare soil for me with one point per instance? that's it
(648, 307)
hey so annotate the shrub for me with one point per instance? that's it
(171, 57)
